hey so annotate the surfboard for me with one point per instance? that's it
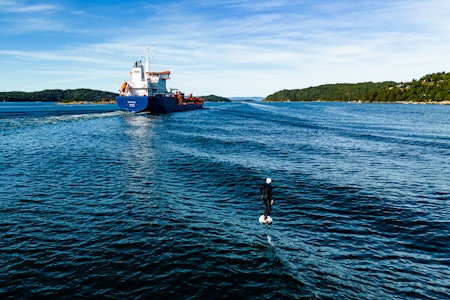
(269, 220)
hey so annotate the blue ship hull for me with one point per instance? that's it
(156, 104)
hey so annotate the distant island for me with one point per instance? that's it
(62, 96)
(76, 96)
(432, 88)
(214, 98)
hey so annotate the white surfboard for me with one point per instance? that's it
(269, 220)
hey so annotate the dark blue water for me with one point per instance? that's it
(96, 203)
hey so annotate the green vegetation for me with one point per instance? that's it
(75, 96)
(430, 88)
(329, 92)
(214, 98)
(64, 96)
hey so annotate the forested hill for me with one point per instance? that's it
(214, 98)
(77, 95)
(83, 95)
(430, 88)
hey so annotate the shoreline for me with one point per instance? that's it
(445, 102)
(86, 102)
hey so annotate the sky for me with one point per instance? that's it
(229, 48)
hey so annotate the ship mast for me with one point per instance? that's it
(147, 65)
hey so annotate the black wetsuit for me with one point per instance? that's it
(266, 194)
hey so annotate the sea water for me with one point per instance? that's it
(98, 203)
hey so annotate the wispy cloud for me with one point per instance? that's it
(20, 17)
(12, 6)
(233, 47)
(244, 6)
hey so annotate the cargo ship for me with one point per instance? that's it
(146, 91)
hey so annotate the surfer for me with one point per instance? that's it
(266, 195)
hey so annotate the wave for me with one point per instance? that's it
(130, 205)
(16, 122)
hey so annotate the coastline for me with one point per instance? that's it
(445, 102)
(87, 102)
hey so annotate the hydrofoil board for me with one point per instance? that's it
(262, 221)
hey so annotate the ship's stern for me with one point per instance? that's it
(132, 103)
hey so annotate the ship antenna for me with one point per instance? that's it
(147, 65)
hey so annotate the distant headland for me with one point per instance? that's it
(75, 96)
(432, 88)
(62, 96)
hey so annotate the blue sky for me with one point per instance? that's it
(222, 47)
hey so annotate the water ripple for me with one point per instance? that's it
(101, 204)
